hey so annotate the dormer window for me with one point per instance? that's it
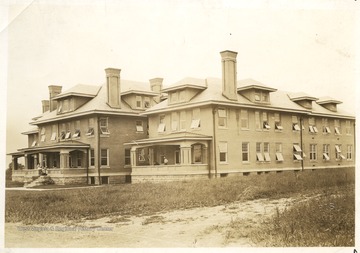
(261, 96)
(138, 102)
(60, 107)
(34, 144)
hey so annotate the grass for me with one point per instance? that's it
(148, 198)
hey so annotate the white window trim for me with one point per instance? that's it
(107, 158)
(104, 129)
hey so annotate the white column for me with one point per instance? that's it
(185, 154)
(133, 157)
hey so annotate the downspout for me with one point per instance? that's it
(301, 144)
(87, 165)
(98, 149)
(214, 142)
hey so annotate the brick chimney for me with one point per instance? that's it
(54, 90)
(113, 87)
(45, 105)
(229, 80)
(156, 86)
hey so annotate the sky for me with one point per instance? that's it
(307, 46)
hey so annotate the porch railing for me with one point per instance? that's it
(177, 169)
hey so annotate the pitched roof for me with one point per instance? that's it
(246, 84)
(327, 100)
(188, 82)
(81, 90)
(280, 100)
(98, 104)
(298, 96)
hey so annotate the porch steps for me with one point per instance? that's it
(41, 180)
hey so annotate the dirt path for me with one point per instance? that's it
(197, 227)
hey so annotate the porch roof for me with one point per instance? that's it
(62, 145)
(179, 136)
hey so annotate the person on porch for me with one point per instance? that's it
(165, 161)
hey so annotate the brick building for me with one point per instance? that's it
(216, 127)
(80, 134)
(126, 131)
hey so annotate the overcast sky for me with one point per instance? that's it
(307, 46)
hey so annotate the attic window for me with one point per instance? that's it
(60, 107)
(138, 102)
(147, 102)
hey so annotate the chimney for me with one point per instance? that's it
(113, 87)
(45, 105)
(229, 80)
(156, 86)
(54, 90)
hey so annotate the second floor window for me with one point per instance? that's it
(195, 123)
(43, 136)
(244, 119)
(348, 127)
(104, 127)
(222, 117)
(312, 125)
(162, 126)
(278, 152)
(297, 152)
(245, 152)
(139, 126)
(337, 127)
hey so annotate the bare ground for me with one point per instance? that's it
(197, 227)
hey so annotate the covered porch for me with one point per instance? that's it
(181, 154)
(54, 160)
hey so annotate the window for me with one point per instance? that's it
(147, 102)
(349, 152)
(295, 123)
(177, 156)
(195, 123)
(197, 149)
(92, 157)
(326, 129)
(337, 127)
(104, 126)
(76, 134)
(312, 126)
(277, 120)
(348, 127)
(265, 121)
(62, 135)
(104, 157)
(139, 126)
(53, 133)
(267, 151)
(313, 152)
(338, 154)
(161, 127)
(257, 121)
(127, 156)
(43, 136)
(34, 143)
(78, 159)
(59, 106)
(259, 155)
(90, 132)
(183, 120)
(278, 152)
(68, 135)
(223, 151)
(297, 152)
(138, 102)
(141, 155)
(222, 117)
(257, 96)
(326, 154)
(244, 119)
(261, 96)
(245, 152)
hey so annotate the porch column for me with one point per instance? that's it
(133, 157)
(205, 154)
(151, 156)
(64, 159)
(14, 163)
(185, 154)
(84, 158)
(26, 161)
(41, 158)
(35, 161)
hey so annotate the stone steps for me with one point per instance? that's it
(41, 180)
